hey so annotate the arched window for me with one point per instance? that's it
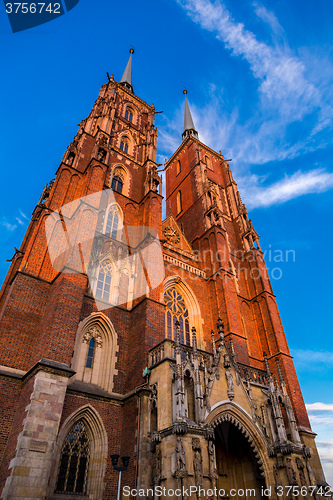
(113, 222)
(74, 461)
(117, 184)
(124, 144)
(90, 355)
(129, 114)
(179, 202)
(179, 167)
(176, 310)
(103, 289)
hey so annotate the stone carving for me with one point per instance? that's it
(291, 473)
(197, 468)
(180, 455)
(157, 465)
(213, 476)
(171, 235)
(311, 475)
(93, 333)
(153, 394)
(300, 466)
(230, 383)
(276, 475)
(227, 361)
(101, 155)
(211, 456)
(46, 192)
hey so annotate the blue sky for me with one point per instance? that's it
(259, 78)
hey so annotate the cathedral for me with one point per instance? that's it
(142, 357)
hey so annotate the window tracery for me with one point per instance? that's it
(74, 461)
(176, 310)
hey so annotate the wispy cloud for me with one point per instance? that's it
(321, 418)
(281, 74)
(23, 215)
(255, 195)
(320, 360)
(286, 96)
(8, 226)
(269, 18)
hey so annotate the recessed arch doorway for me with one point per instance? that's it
(237, 466)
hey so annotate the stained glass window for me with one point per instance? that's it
(176, 310)
(74, 461)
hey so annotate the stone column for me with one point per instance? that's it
(30, 468)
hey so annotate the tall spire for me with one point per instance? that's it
(189, 128)
(126, 79)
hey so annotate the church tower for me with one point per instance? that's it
(125, 335)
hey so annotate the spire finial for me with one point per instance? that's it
(189, 128)
(126, 79)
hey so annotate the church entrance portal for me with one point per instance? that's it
(237, 466)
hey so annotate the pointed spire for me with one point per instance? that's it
(282, 382)
(189, 128)
(267, 367)
(126, 79)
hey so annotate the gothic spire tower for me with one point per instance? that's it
(126, 335)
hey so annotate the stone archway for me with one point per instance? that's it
(238, 462)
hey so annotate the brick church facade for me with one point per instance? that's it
(155, 339)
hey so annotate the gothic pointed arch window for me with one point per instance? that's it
(74, 461)
(176, 310)
(124, 144)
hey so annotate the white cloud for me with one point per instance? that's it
(7, 225)
(270, 18)
(283, 83)
(298, 184)
(314, 361)
(287, 96)
(23, 215)
(319, 406)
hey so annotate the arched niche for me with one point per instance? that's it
(102, 370)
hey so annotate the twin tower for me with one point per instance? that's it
(158, 340)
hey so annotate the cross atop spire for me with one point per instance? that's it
(126, 79)
(189, 128)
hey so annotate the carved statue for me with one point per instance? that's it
(197, 467)
(291, 473)
(211, 455)
(312, 477)
(230, 383)
(180, 454)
